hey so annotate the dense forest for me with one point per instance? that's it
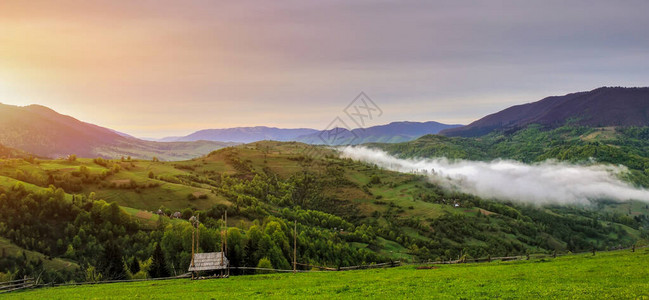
(628, 146)
(347, 213)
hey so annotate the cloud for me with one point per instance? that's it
(548, 182)
(230, 63)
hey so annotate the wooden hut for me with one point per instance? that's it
(209, 262)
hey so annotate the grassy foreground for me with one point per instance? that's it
(613, 275)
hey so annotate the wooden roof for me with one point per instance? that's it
(209, 261)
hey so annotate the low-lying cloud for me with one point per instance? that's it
(540, 183)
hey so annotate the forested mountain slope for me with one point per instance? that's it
(602, 107)
(348, 213)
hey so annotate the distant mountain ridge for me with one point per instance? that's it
(44, 132)
(606, 106)
(243, 134)
(395, 132)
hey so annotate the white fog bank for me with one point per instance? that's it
(539, 183)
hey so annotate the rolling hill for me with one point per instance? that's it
(606, 106)
(348, 212)
(43, 132)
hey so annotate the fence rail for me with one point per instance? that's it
(518, 257)
(15, 285)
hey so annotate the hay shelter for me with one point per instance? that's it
(209, 261)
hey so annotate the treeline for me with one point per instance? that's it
(503, 229)
(110, 244)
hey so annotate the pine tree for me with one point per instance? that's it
(112, 264)
(159, 264)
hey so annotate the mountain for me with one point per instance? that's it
(606, 106)
(243, 134)
(394, 132)
(44, 132)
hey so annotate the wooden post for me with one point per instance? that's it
(554, 254)
(198, 240)
(226, 233)
(593, 251)
(632, 249)
(193, 242)
(226, 242)
(222, 242)
(295, 247)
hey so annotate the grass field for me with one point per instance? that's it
(612, 275)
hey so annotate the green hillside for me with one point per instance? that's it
(627, 146)
(348, 213)
(615, 275)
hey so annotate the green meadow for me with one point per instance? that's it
(607, 275)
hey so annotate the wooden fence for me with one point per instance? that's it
(15, 285)
(518, 257)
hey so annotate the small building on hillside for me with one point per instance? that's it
(177, 215)
(209, 262)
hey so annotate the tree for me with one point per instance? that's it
(151, 175)
(264, 263)
(135, 266)
(72, 157)
(158, 264)
(187, 213)
(112, 264)
(235, 247)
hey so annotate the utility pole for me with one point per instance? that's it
(226, 241)
(226, 233)
(198, 224)
(193, 242)
(195, 237)
(222, 244)
(295, 248)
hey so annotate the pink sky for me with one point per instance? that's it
(159, 68)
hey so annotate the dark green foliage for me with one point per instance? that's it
(112, 263)
(158, 267)
(134, 267)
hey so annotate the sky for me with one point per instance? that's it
(163, 68)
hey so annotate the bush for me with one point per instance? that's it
(264, 263)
